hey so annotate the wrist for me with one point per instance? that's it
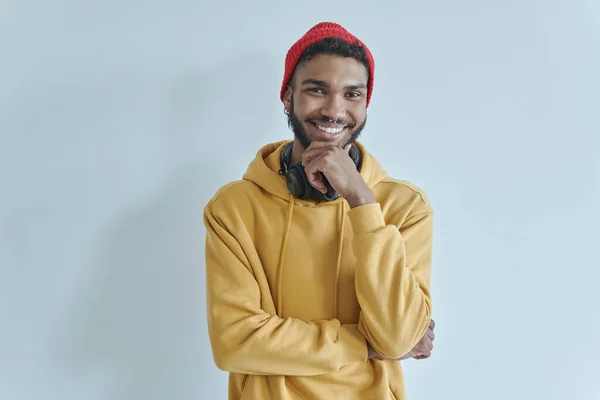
(361, 198)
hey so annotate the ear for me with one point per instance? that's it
(287, 97)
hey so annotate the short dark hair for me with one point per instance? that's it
(337, 47)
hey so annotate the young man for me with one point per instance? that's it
(317, 262)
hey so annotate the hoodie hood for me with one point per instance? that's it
(264, 172)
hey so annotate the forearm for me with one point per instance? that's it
(245, 338)
(391, 285)
(268, 345)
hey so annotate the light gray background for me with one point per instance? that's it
(120, 119)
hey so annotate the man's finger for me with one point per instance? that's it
(314, 176)
(432, 324)
(316, 148)
(315, 179)
(318, 143)
(311, 153)
(430, 334)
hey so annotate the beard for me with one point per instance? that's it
(300, 133)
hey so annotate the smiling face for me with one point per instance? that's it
(324, 89)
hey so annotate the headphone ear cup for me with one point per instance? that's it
(297, 182)
(355, 155)
(331, 194)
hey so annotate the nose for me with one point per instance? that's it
(333, 108)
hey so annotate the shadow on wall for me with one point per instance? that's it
(140, 329)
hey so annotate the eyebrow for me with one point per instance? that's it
(326, 85)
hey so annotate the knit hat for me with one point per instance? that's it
(316, 33)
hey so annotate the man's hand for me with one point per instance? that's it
(333, 161)
(421, 351)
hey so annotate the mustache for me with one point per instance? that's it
(349, 124)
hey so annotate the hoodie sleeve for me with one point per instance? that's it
(392, 277)
(247, 339)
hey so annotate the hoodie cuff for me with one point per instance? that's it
(366, 219)
(354, 345)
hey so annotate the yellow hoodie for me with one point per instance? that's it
(295, 288)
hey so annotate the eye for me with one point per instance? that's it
(317, 90)
(354, 94)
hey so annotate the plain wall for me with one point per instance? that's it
(120, 119)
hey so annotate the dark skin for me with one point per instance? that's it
(330, 87)
(421, 351)
(325, 88)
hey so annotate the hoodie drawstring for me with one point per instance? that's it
(283, 252)
(339, 260)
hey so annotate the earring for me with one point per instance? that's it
(286, 111)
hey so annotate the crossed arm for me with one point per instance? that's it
(395, 326)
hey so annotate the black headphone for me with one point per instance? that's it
(297, 181)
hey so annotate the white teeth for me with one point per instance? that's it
(329, 130)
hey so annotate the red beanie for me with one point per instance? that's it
(316, 33)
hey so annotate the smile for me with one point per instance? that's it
(330, 130)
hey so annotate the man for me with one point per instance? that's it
(317, 262)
